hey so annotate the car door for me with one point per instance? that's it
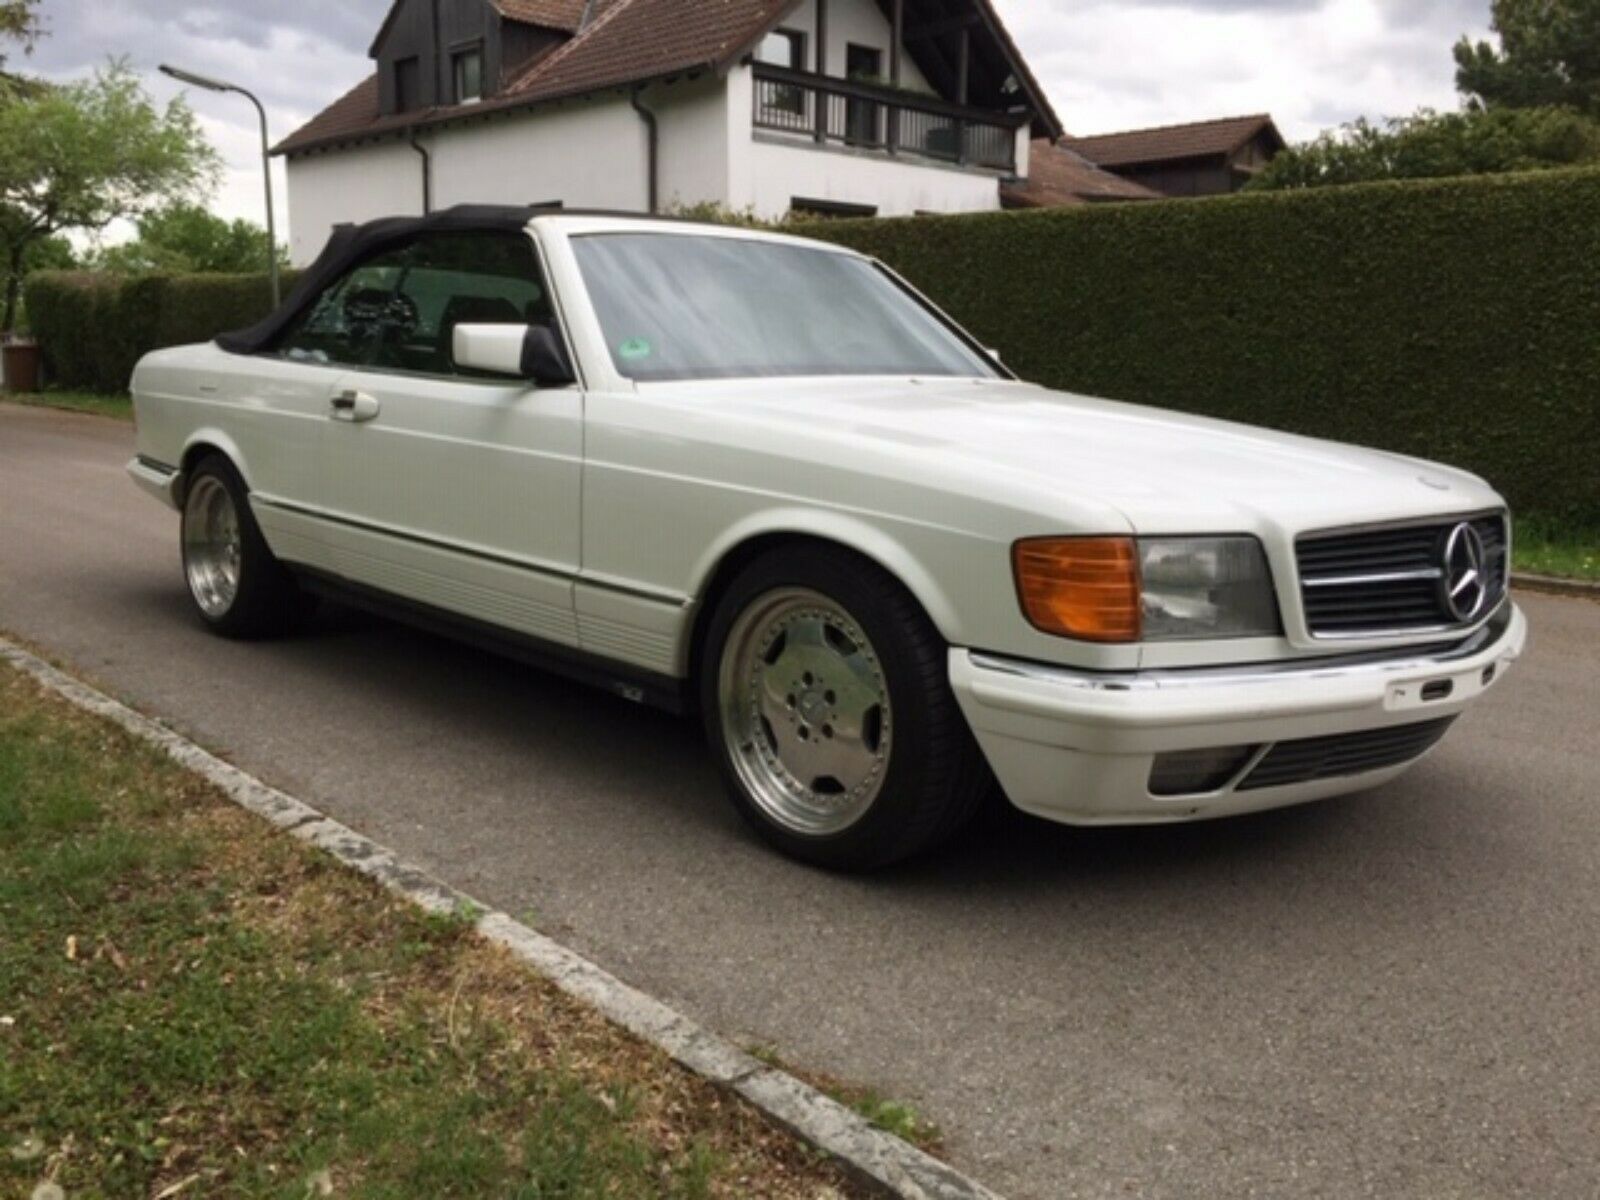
(444, 487)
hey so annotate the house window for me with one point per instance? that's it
(407, 84)
(804, 206)
(782, 48)
(466, 70)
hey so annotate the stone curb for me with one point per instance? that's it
(1556, 585)
(875, 1157)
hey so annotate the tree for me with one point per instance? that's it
(1431, 145)
(19, 22)
(81, 155)
(185, 237)
(1549, 55)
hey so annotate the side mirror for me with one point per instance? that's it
(993, 353)
(531, 352)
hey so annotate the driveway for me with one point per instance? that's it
(1392, 995)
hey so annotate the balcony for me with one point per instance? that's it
(883, 120)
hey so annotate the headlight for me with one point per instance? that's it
(1117, 589)
(1206, 588)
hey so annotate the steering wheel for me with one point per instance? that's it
(376, 311)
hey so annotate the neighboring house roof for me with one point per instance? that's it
(1058, 176)
(1202, 139)
(551, 14)
(625, 42)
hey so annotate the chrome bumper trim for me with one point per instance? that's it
(1376, 664)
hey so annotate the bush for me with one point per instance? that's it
(1434, 145)
(1456, 319)
(94, 327)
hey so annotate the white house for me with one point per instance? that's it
(837, 106)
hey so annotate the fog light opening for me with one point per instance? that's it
(1197, 772)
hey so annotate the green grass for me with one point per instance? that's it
(191, 1001)
(1547, 547)
(119, 406)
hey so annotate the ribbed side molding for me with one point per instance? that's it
(1310, 759)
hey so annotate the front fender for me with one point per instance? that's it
(885, 549)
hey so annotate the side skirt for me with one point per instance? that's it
(642, 687)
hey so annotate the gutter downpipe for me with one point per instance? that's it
(653, 139)
(427, 174)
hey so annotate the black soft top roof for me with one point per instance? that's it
(352, 243)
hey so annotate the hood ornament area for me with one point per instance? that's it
(1465, 582)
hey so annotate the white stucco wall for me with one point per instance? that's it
(587, 154)
(780, 174)
(360, 183)
(697, 131)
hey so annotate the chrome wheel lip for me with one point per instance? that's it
(213, 548)
(831, 724)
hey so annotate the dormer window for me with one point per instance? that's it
(466, 74)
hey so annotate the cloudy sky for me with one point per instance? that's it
(1107, 64)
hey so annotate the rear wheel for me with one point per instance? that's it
(826, 701)
(239, 589)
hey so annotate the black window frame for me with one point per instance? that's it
(459, 54)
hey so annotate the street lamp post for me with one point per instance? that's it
(217, 85)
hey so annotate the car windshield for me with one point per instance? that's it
(685, 306)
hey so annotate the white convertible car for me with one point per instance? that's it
(763, 479)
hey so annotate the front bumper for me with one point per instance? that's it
(1079, 746)
(158, 479)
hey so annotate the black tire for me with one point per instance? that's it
(936, 778)
(266, 601)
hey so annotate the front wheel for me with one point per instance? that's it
(239, 589)
(827, 703)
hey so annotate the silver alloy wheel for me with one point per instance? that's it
(805, 711)
(212, 547)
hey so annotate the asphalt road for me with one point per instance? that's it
(1392, 995)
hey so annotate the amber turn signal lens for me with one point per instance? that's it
(1086, 588)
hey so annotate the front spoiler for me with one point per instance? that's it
(1078, 746)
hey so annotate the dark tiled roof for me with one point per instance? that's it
(625, 42)
(634, 40)
(354, 112)
(1169, 142)
(552, 14)
(1058, 176)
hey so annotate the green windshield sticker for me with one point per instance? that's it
(634, 349)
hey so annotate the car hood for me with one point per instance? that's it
(1166, 472)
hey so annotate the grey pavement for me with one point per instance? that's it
(1396, 994)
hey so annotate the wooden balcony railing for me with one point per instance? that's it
(885, 120)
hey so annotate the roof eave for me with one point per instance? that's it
(439, 118)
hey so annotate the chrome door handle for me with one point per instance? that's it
(351, 405)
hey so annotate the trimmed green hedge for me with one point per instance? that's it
(93, 328)
(1456, 320)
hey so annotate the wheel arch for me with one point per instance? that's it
(750, 539)
(204, 442)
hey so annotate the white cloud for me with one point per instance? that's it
(1110, 64)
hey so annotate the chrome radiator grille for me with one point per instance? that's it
(1402, 578)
